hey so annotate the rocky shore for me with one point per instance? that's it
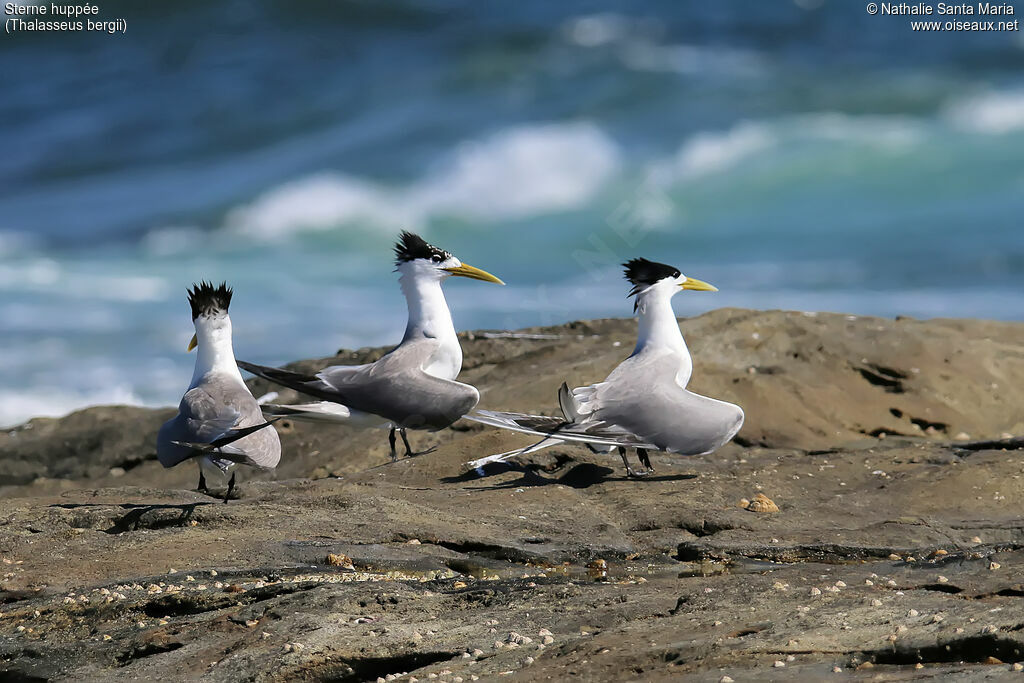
(867, 521)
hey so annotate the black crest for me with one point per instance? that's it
(208, 300)
(411, 247)
(643, 273)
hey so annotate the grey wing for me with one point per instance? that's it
(396, 388)
(210, 411)
(645, 399)
(200, 419)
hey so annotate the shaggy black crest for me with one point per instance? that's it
(208, 300)
(643, 273)
(411, 247)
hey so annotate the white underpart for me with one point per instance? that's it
(214, 356)
(214, 353)
(658, 328)
(429, 316)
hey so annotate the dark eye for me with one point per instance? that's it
(436, 258)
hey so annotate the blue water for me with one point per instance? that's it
(798, 155)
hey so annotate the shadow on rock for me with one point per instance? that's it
(583, 475)
(156, 516)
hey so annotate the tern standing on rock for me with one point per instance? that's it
(643, 403)
(411, 387)
(218, 419)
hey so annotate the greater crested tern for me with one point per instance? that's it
(218, 421)
(411, 387)
(643, 403)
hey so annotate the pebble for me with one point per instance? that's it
(478, 653)
(975, 539)
(790, 658)
(815, 591)
(836, 670)
(994, 565)
(1018, 667)
(912, 613)
(894, 557)
(340, 560)
(779, 664)
(990, 629)
(725, 679)
(528, 661)
(544, 632)
(942, 579)
(876, 603)
(869, 582)
(840, 584)
(762, 503)
(936, 618)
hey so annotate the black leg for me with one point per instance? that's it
(202, 482)
(391, 440)
(644, 459)
(231, 487)
(409, 452)
(629, 470)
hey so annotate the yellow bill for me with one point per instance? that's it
(698, 285)
(466, 270)
(192, 344)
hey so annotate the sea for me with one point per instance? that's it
(799, 155)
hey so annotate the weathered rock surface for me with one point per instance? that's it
(885, 553)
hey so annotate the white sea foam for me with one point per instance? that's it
(17, 406)
(638, 44)
(319, 202)
(15, 243)
(713, 152)
(992, 113)
(894, 132)
(691, 60)
(707, 153)
(521, 172)
(173, 239)
(515, 173)
(594, 30)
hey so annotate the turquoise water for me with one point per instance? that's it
(812, 159)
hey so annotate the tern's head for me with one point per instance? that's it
(418, 259)
(209, 311)
(648, 277)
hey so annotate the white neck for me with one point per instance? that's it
(214, 353)
(430, 318)
(659, 330)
